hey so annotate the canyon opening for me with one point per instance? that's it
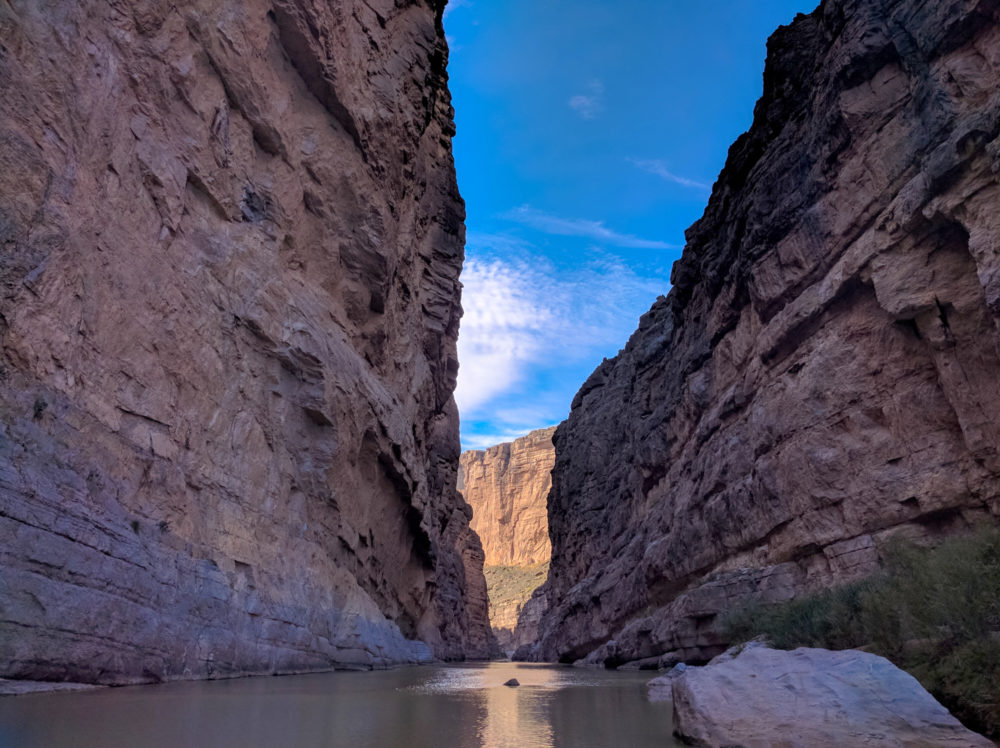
(563, 373)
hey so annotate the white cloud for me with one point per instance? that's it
(482, 441)
(660, 169)
(501, 331)
(591, 103)
(595, 230)
(455, 5)
(525, 318)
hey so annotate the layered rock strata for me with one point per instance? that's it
(507, 486)
(231, 239)
(825, 371)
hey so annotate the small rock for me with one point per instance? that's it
(646, 663)
(512, 682)
(661, 688)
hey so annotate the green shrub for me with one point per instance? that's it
(935, 613)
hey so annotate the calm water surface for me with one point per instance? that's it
(465, 706)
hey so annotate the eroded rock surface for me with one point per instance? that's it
(763, 697)
(507, 486)
(231, 239)
(825, 370)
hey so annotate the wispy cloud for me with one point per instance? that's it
(660, 169)
(455, 5)
(590, 103)
(588, 229)
(502, 329)
(527, 323)
(483, 441)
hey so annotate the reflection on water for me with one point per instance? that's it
(462, 706)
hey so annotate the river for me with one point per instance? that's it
(448, 706)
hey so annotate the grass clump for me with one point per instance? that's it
(932, 612)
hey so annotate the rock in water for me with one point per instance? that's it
(231, 240)
(810, 697)
(662, 688)
(825, 371)
(512, 682)
(507, 487)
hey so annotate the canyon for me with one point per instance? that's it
(822, 376)
(229, 302)
(507, 486)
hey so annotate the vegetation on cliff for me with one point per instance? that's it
(935, 613)
(509, 588)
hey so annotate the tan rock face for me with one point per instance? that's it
(507, 487)
(825, 372)
(231, 239)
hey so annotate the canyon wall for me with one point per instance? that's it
(507, 486)
(229, 302)
(824, 373)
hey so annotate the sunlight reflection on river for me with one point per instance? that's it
(455, 706)
(510, 716)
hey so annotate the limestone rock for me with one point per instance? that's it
(230, 241)
(528, 619)
(22, 687)
(825, 371)
(810, 697)
(662, 688)
(507, 487)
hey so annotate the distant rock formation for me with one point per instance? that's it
(230, 241)
(507, 487)
(825, 371)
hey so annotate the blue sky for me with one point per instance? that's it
(589, 135)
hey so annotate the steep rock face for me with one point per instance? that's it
(510, 590)
(231, 239)
(507, 486)
(824, 372)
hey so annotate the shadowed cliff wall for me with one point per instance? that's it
(231, 238)
(824, 372)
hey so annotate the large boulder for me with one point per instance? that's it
(810, 697)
